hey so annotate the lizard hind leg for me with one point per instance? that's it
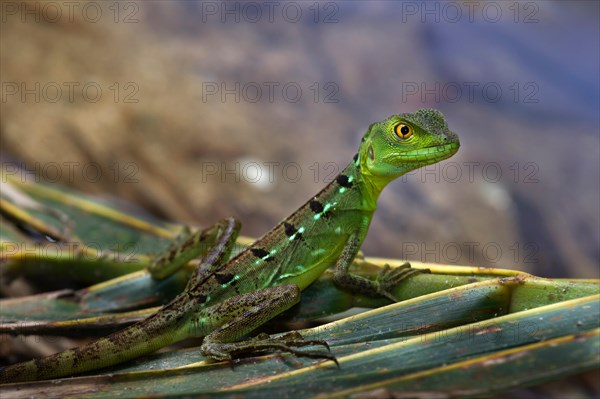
(247, 312)
(189, 245)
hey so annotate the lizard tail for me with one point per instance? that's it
(115, 348)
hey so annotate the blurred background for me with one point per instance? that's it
(201, 110)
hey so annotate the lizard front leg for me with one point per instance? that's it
(383, 285)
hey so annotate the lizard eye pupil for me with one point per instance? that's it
(403, 131)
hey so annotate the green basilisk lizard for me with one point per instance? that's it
(225, 300)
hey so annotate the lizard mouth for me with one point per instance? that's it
(430, 154)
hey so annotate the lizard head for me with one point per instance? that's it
(405, 142)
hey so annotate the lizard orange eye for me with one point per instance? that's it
(403, 131)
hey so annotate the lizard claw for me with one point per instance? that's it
(388, 278)
(294, 338)
(286, 343)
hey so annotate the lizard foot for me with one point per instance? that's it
(264, 342)
(388, 278)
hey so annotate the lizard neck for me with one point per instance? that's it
(370, 189)
(355, 190)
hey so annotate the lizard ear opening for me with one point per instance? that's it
(403, 131)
